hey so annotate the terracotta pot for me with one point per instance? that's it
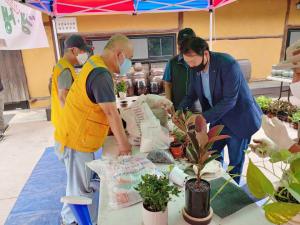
(176, 150)
(270, 115)
(155, 218)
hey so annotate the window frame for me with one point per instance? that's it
(90, 39)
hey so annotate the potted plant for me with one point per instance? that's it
(296, 119)
(264, 103)
(283, 199)
(122, 89)
(282, 109)
(177, 146)
(197, 208)
(156, 192)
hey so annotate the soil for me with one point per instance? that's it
(175, 144)
(286, 194)
(203, 187)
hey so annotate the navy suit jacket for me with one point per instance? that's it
(233, 103)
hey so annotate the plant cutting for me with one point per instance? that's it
(283, 199)
(121, 88)
(156, 192)
(197, 208)
(264, 103)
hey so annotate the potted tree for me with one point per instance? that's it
(264, 103)
(283, 196)
(156, 192)
(122, 89)
(197, 208)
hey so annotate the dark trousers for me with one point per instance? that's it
(236, 151)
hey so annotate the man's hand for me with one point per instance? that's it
(125, 149)
(263, 147)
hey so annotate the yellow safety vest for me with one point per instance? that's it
(55, 103)
(83, 125)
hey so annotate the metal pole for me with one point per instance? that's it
(55, 39)
(210, 29)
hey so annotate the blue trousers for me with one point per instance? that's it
(236, 151)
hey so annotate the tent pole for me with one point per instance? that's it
(56, 46)
(210, 29)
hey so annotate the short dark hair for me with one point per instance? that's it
(185, 33)
(195, 44)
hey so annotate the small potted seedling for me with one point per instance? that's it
(197, 208)
(296, 120)
(122, 89)
(264, 103)
(156, 192)
(178, 145)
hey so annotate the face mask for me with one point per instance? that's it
(82, 58)
(295, 89)
(200, 67)
(125, 67)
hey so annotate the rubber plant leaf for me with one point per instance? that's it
(200, 124)
(215, 131)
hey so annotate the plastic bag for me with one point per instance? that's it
(161, 156)
(133, 116)
(154, 136)
(121, 176)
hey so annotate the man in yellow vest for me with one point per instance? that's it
(90, 109)
(64, 73)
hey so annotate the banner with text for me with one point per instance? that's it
(21, 27)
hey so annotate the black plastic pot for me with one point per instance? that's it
(197, 201)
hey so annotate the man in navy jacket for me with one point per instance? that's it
(218, 82)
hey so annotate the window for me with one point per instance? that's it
(293, 35)
(154, 48)
(161, 47)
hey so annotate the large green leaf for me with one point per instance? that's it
(295, 166)
(281, 212)
(258, 183)
(280, 156)
(294, 189)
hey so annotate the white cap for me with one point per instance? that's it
(292, 57)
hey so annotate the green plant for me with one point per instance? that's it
(283, 201)
(179, 135)
(280, 106)
(264, 102)
(156, 192)
(200, 140)
(121, 86)
(296, 117)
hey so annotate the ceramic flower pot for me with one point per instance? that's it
(176, 149)
(155, 218)
(122, 95)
